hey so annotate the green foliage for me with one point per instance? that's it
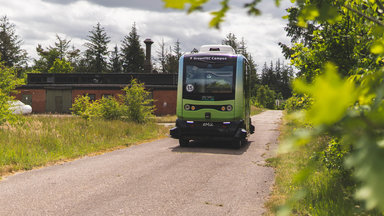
(97, 50)
(140, 108)
(313, 179)
(85, 108)
(110, 108)
(334, 155)
(132, 53)
(349, 34)
(5, 113)
(80, 105)
(350, 110)
(332, 96)
(218, 16)
(8, 82)
(346, 42)
(11, 52)
(47, 139)
(116, 64)
(61, 66)
(298, 102)
(57, 58)
(136, 107)
(265, 97)
(47, 58)
(278, 77)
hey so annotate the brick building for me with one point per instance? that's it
(55, 93)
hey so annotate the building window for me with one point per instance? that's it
(107, 95)
(26, 99)
(92, 97)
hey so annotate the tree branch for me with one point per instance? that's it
(378, 22)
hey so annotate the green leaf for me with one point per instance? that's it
(176, 4)
(332, 96)
(218, 16)
(378, 47)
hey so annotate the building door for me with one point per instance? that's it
(59, 101)
(59, 104)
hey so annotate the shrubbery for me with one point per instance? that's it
(265, 97)
(134, 106)
(297, 102)
(8, 82)
(139, 105)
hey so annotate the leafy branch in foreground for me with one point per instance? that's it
(348, 94)
(349, 109)
(218, 16)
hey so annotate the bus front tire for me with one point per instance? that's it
(183, 142)
(239, 143)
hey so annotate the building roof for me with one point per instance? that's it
(99, 81)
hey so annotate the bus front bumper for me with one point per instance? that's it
(198, 130)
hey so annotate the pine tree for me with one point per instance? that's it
(132, 54)
(10, 45)
(115, 62)
(97, 50)
(177, 49)
(231, 40)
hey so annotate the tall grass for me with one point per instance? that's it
(305, 185)
(256, 110)
(36, 141)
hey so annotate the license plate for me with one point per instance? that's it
(208, 124)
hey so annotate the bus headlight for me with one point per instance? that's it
(229, 108)
(222, 108)
(187, 107)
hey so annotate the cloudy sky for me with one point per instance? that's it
(38, 22)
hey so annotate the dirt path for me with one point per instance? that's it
(157, 178)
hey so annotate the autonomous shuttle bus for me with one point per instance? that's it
(213, 96)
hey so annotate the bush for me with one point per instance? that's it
(297, 102)
(265, 97)
(85, 108)
(139, 106)
(80, 105)
(110, 109)
(8, 83)
(334, 155)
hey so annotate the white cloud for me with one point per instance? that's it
(38, 22)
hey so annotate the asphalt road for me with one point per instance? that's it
(157, 178)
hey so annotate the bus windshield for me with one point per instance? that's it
(209, 78)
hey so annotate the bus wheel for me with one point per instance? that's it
(237, 144)
(183, 142)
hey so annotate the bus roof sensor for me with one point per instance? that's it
(217, 49)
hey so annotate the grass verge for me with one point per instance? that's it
(256, 110)
(305, 186)
(165, 119)
(37, 141)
